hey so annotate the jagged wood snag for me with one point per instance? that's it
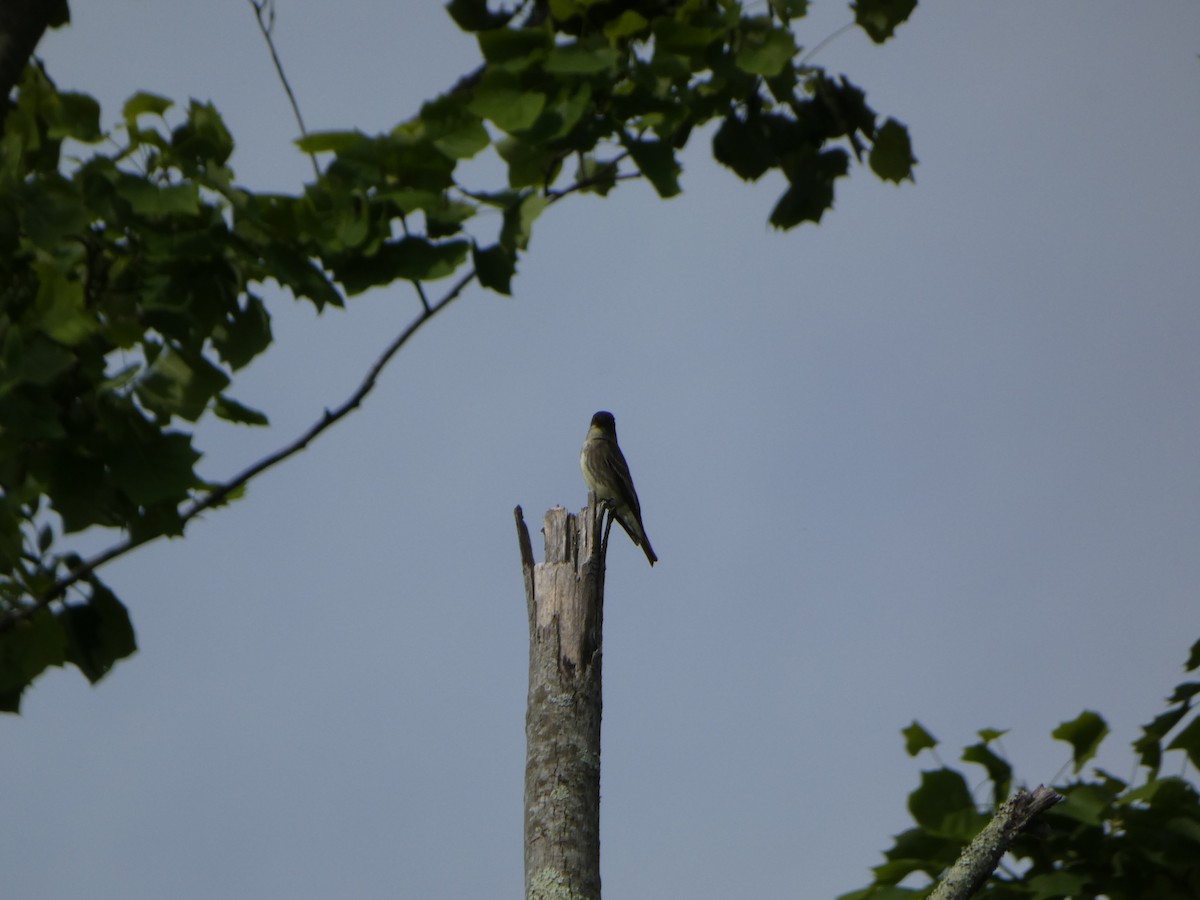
(564, 598)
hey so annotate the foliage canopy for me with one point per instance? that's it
(1110, 837)
(132, 264)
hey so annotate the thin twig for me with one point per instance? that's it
(554, 196)
(220, 492)
(823, 42)
(264, 13)
(421, 293)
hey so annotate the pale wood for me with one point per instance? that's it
(564, 599)
(979, 859)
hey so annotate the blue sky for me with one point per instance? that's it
(933, 459)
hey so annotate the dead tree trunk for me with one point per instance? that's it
(564, 596)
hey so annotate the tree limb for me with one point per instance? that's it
(220, 492)
(977, 862)
(264, 13)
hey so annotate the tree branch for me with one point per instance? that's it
(219, 493)
(264, 13)
(977, 862)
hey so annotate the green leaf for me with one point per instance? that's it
(1084, 734)
(58, 13)
(304, 278)
(1184, 692)
(180, 383)
(78, 118)
(585, 57)
(31, 416)
(1188, 740)
(464, 142)
(495, 267)
(941, 801)
(410, 259)
(60, 312)
(917, 850)
(515, 49)
(672, 37)
(143, 103)
(885, 892)
(529, 162)
(657, 162)
(745, 147)
(26, 650)
(203, 137)
(1193, 660)
(916, 739)
(597, 176)
(1149, 745)
(243, 335)
(78, 488)
(627, 24)
(999, 771)
(764, 49)
(1051, 885)
(561, 116)
(1146, 793)
(846, 104)
(52, 210)
(155, 470)
(147, 198)
(500, 98)
(891, 155)
(1084, 803)
(562, 10)
(879, 18)
(231, 411)
(155, 521)
(446, 217)
(519, 216)
(330, 141)
(408, 200)
(789, 9)
(474, 15)
(99, 633)
(811, 191)
(453, 128)
(44, 360)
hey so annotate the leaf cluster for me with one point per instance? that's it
(1108, 838)
(131, 263)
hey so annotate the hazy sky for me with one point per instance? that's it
(935, 458)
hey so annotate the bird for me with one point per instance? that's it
(607, 475)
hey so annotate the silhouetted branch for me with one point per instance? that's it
(219, 493)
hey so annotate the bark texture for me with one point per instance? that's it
(977, 862)
(564, 597)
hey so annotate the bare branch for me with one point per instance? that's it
(264, 14)
(219, 493)
(980, 858)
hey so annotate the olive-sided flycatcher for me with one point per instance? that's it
(607, 475)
